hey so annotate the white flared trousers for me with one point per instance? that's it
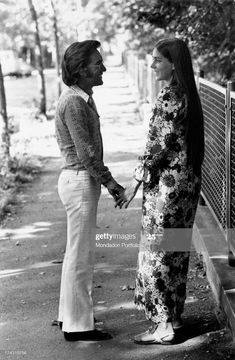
(79, 193)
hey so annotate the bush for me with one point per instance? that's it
(21, 170)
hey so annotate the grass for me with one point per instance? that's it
(22, 96)
(21, 170)
(23, 92)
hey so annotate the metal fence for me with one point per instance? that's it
(232, 166)
(218, 172)
(214, 167)
(230, 153)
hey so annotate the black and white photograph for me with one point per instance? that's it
(117, 180)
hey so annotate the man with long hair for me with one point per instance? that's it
(79, 185)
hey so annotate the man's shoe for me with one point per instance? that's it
(93, 335)
(60, 323)
(177, 323)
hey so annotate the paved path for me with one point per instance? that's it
(32, 244)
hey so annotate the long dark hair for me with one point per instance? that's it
(76, 56)
(177, 52)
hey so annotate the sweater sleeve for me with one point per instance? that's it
(75, 117)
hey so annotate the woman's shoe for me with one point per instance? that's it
(177, 323)
(161, 334)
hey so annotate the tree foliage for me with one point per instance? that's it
(39, 57)
(208, 27)
(17, 29)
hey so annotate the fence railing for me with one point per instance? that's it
(218, 171)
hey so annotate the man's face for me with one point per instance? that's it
(95, 69)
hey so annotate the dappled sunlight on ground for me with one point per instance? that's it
(14, 272)
(44, 194)
(132, 142)
(24, 232)
(221, 256)
(127, 305)
(104, 268)
(111, 268)
(230, 291)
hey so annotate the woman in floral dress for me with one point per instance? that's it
(170, 171)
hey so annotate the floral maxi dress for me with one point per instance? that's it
(170, 196)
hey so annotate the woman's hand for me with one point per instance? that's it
(130, 193)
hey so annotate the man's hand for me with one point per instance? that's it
(116, 190)
(129, 195)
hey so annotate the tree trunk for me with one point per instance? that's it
(5, 146)
(39, 58)
(56, 38)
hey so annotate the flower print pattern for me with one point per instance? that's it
(170, 198)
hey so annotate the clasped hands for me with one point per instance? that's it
(123, 196)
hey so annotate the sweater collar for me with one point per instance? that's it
(80, 92)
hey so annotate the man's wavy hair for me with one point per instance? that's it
(177, 53)
(77, 56)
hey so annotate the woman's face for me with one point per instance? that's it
(162, 66)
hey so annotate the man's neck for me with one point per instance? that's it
(85, 87)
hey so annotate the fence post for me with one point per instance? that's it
(131, 67)
(229, 232)
(145, 74)
(136, 71)
(200, 73)
(141, 79)
(149, 85)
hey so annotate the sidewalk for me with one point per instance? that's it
(32, 244)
